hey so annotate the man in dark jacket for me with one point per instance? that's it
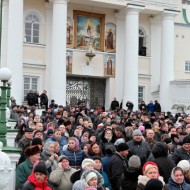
(139, 147)
(44, 99)
(182, 153)
(118, 165)
(157, 107)
(114, 104)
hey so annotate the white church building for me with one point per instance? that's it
(95, 50)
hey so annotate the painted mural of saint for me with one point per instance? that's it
(109, 66)
(110, 39)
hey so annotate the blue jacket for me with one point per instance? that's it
(174, 186)
(75, 158)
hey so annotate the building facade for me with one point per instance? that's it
(95, 50)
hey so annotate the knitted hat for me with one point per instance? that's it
(29, 130)
(154, 184)
(86, 162)
(32, 150)
(147, 166)
(37, 131)
(60, 158)
(134, 161)
(97, 158)
(141, 128)
(184, 165)
(41, 168)
(186, 139)
(122, 147)
(89, 176)
(137, 132)
(37, 141)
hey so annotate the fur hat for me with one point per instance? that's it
(184, 165)
(147, 166)
(186, 139)
(137, 132)
(89, 176)
(154, 184)
(32, 150)
(122, 147)
(37, 141)
(86, 162)
(41, 168)
(134, 161)
(60, 158)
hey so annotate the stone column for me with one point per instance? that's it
(58, 61)
(130, 83)
(167, 59)
(15, 48)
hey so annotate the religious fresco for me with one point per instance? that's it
(110, 37)
(89, 29)
(70, 32)
(69, 61)
(109, 64)
(186, 11)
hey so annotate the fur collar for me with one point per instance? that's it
(143, 179)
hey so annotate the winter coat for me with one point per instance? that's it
(22, 172)
(165, 165)
(75, 158)
(174, 186)
(116, 167)
(114, 104)
(180, 154)
(130, 178)
(60, 178)
(81, 184)
(140, 149)
(32, 184)
(142, 181)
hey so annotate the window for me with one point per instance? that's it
(142, 42)
(30, 83)
(187, 66)
(32, 29)
(141, 94)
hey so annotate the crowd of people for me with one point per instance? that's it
(74, 148)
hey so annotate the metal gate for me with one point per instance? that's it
(88, 91)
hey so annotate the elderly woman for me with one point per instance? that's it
(60, 178)
(177, 182)
(49, 156)
(74, 153)
(89, 179)
(150, 171)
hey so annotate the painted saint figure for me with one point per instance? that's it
(109, 66)
(110, 39)
(68, 33)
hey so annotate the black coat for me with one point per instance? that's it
(116, 167)
(130, 178)
(180, 154)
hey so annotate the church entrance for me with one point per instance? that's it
(86, 91)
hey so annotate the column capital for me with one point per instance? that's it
(169, 14)
(134, 8)
(59, 1)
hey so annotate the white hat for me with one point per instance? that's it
(89, 176)
(184, 165)
(86, 162)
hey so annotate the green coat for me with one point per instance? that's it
(22, 172)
